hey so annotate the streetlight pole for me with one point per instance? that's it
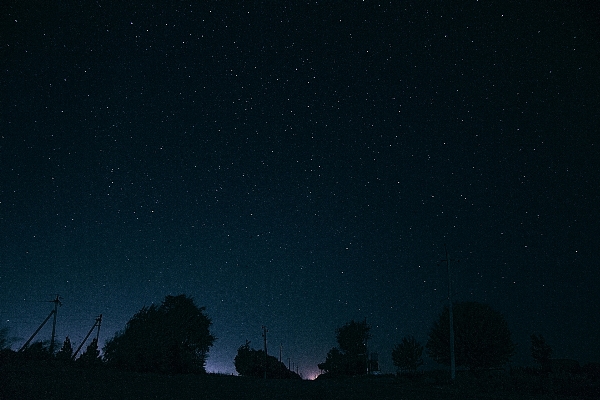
(451, 317)
(264, 335)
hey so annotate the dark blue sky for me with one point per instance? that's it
(301, 164)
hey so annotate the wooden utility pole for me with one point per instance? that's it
(96, 324)
(36, 331)
(99, 322)
(57, 303)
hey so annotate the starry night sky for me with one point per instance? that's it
(301, 164)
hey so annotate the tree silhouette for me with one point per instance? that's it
(335, 362)
(481, 337)
(171, 338)
(351, 356)
(408, 355)
(540, 351)
(66, 351)
(249, 362)
(91, 355)
(38, 350)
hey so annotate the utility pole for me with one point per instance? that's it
(452, 355)
(57, 303)
(53, 312)
(36, 331)
(96, 324)
(264, 335)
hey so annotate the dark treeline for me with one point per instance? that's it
(174, 338)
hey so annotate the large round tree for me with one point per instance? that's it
(482, 339)
(351, 356)
(407, 356)
(171, 338)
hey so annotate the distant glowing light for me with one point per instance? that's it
(311, 375)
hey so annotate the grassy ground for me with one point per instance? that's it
(56, 381)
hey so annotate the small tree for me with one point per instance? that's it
(481, 337)
(91, 355)
(408, 355)
(66, 351)
(540, 351)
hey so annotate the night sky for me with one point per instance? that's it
(301, 164)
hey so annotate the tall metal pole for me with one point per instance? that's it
(367, 371)
(451, 317)
(264, 335)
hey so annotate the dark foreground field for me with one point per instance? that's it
(56, 381)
